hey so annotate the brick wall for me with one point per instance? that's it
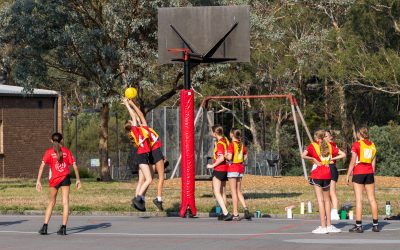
(27, 126)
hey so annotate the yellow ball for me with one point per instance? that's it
(130, 93)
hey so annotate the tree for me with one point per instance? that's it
(94, 48)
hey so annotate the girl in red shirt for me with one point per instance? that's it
(236, 154)
(334, 176)
(220, 169)
(362, 166)
(141, 142)
(321, 154)
(59, 159)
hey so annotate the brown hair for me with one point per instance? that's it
(128, 126)
(320, 134)
(219, 131)
(364, 132)
(57, 138)
(237, 133)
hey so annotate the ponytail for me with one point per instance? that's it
(237, 133)
(364, 132)
(57, 138)
(325, 152)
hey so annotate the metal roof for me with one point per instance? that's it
(9, 90)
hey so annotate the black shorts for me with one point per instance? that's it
(222, 176)
(363, 178)
(65, 182)
(142, 158)
(155, 156)
(320, 183)
(334, 172)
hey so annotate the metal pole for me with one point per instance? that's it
(76, 138)
(298, 140)
(304, 123)
(116, 134)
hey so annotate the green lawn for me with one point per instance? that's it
(268, 194)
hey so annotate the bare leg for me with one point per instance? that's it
(239, 192)
(232, 182)
(358, 190)
(327, 202)
(50, 206)
(217, 193)
(321, 204)
(160, 171)
(65, 201)
(332, 190)
(223, 192)
(140, 182)
(370, 188)
(147, 178)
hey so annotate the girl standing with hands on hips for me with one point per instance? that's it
(59, 158)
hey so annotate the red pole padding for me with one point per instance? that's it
(187, 148)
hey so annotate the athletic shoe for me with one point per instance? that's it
(333, 229)
(375, 228)
(62, 230)
(158, 204)
(227, 217)
(43, 230)
(139, 204)
(320, 230)
(247, 214)
(356, 229)
(334, 215)
(236, 218)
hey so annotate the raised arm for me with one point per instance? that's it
(138, 112)
(131, 112)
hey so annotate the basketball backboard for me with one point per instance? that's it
(218, 33)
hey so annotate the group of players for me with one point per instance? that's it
(227, 166)
(323, 153)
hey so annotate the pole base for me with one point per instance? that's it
(188, 213)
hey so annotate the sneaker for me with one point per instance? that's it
(62, 230)
(236, 218)
(43, 230)
(375, 228)
(139, 204)
(356, 229)
(320, 230)
(247, 214)
(227, 217)
(334, 215)
(158, 204)
(333, 229)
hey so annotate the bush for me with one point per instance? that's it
(387, 141)
(84, 173)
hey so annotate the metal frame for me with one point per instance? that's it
(294, 107)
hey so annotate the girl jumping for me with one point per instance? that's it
(362, 166)
(59, 158)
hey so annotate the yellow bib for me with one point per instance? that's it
(324, 160)
(237, 155)
(367, 152)
(216, 148)
(154, 136)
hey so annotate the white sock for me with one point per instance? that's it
(159, 199)
(333, 210)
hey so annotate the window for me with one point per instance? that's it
(1, 136)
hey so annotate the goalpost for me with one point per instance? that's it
(201, 113)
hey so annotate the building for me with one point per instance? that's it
(26, 124)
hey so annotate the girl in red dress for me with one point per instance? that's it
(59, 158)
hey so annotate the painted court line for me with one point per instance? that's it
(343, 241)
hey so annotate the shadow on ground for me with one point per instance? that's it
(260, 195)
(9, 223)
(85, 228)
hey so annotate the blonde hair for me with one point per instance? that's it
(320, 134)
(364, 132)
(237, 133)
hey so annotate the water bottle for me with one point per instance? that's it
(217, 209)
(302, 208)
(289, 213)
(388, 208)
(309, 207)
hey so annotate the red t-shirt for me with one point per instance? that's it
(236, 167)
(140, 140)
(335, 150)
(154, 139)
(58, 171)
(220, 150)
(319, 172)
(361, 167)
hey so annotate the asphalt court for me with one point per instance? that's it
(128, 232)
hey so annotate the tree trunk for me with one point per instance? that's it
(278, 130)
(346, 129)
(326, 106)
(253, 127)
(103, 142)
